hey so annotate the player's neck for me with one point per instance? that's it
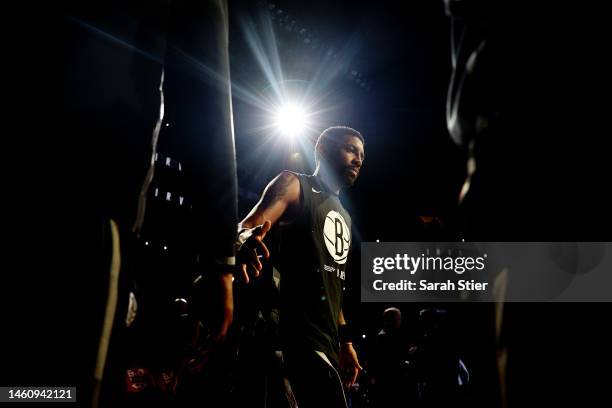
(327, 179)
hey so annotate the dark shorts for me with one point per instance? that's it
(314, 382)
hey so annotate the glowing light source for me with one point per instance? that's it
(290, 120)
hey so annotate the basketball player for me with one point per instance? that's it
(315, 232)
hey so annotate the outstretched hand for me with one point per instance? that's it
(249, 254)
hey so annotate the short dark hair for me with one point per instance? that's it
(335, 134)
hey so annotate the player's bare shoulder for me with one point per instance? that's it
(284, 187)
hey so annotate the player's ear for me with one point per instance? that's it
(320, 149)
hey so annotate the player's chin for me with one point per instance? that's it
(349, 180)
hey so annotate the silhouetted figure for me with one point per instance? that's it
(441, 376)
(121, 82)
(392, 381)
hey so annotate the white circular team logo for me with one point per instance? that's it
(337, 236)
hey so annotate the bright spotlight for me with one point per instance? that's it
(290, 120)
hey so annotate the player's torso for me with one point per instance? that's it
(319, 238)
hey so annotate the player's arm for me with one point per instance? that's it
(349, 363)
(280, 200)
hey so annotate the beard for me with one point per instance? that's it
(347, 177)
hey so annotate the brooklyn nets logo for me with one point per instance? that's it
(337, 236)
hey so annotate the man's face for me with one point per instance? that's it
(392, 320)
(347, 158)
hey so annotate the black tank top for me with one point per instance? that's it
(313, 255)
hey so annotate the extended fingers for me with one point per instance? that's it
(263, 247)
(245, 274)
